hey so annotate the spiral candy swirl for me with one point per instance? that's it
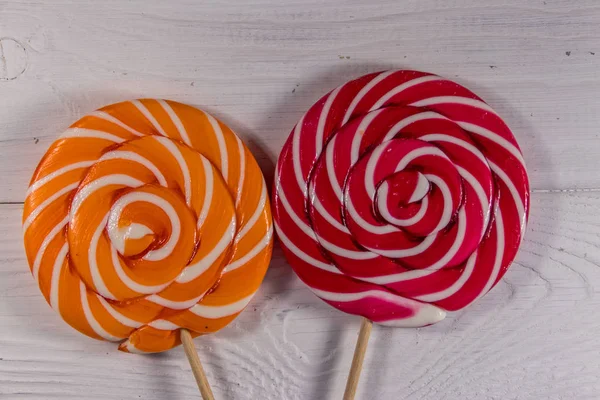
(399, 196)
(146, 217)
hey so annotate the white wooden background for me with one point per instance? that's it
(258, 65)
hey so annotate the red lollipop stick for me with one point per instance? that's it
(358, 358)
(400, 196)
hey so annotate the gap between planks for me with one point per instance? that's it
(574, 190)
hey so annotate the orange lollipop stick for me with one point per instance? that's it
(197, 370)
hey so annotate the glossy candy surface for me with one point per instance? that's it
(144, 217)
(399, 196)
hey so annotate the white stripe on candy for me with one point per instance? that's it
(148, 115)
(192, 271)
(56, 271)
(55, 174)
(135, 157)
(176, 121)
(185, 171)
(107, 117)
(222, 146)
(89, 316)
(51, 199)
(90, 133)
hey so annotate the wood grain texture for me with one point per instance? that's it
(258, 65)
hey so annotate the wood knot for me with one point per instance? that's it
(13, 59)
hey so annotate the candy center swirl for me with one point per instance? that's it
(133, 234)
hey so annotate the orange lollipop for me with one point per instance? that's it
(146, 217)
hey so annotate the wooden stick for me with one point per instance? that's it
(192, 356)
(359, 356)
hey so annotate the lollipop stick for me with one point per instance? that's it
(359, 356)
(192, 356)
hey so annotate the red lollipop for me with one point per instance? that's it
(399, 196)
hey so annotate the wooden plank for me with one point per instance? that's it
(259, 65)
(533, 337)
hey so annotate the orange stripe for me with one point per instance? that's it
(151, 340)
(140, 310)
(99, 124)
(70, 305)
(127, 113)
(78, 148)
(162, 118)
(108, 322)
(41, 226)
(201, 325)
(240, 283)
